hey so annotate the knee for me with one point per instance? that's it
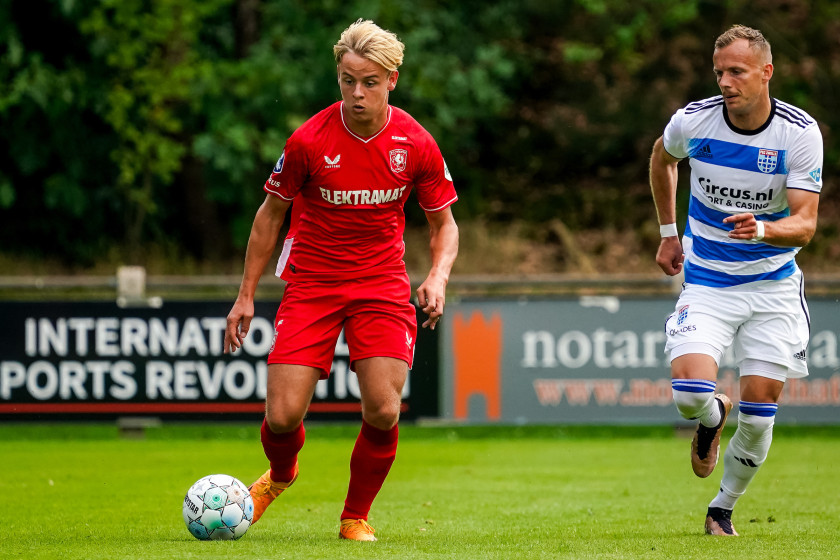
(755, 427)
(281, 421)
(384, 416)
(691, 404)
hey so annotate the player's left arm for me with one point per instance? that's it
(431, 295)
(795, 230)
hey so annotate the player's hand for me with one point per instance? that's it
(238, 324)
(670, 256)
(745, 226)
(431, 298)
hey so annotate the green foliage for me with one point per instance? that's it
(157, 121)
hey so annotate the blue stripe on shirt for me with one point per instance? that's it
(695, 274)
(735, 252)
(737, 156)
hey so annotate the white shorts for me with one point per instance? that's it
(766, 321)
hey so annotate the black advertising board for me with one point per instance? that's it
(95, 360)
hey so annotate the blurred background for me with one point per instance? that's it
(137, 136)
(140, 132)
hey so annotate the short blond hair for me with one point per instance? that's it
(756, 40)
(370, 41)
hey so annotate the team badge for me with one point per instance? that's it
(767, 160)
(399, 159)
(278, 167)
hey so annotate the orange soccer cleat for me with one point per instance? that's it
(356, 530)
(264, 490)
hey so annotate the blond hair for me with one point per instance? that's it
(756, 40)
(370, 41)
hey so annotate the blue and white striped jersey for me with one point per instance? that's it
(735, 171)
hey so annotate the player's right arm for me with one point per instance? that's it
(663, 185)
(261, 244)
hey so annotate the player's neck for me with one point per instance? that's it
(367, 127)
(754, 119)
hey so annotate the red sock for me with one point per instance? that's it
(370, 462)
(282, 451)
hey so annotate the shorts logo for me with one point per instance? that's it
(682, 315)
(278, 167)
(398, 160)
(408, 339)
(767, 160)
(800, 355)
(274, 340)
(816, 174)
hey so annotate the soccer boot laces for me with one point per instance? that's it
(705, 447)
(356, 530)
(265, 490)
(719, 522)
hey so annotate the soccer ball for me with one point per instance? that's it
(218, 507)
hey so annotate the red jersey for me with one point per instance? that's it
(347, 217)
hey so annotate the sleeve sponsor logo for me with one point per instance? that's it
(278, 167)
(816, 174)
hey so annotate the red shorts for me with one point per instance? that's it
(376, 313)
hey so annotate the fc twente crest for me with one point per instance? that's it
(399, 158)
(767, 160)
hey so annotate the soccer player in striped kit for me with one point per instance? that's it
(755, 182)
(347, 173)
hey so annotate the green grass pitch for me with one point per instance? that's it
(81, 491)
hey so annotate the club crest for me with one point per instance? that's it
(767, 160)
(682, 315)
(399, 159)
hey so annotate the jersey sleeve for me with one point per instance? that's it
(673, 138)
(433, 184)
(805, 164)
(290, 172)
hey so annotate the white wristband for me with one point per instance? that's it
(759, 230)
(668, 230)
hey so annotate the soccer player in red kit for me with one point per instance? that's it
(349, 170)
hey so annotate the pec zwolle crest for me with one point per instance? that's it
(767, 160)
(399, 158)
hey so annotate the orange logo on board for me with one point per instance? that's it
(477, 352)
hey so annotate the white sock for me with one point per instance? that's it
(746, 451)
(695, 399)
